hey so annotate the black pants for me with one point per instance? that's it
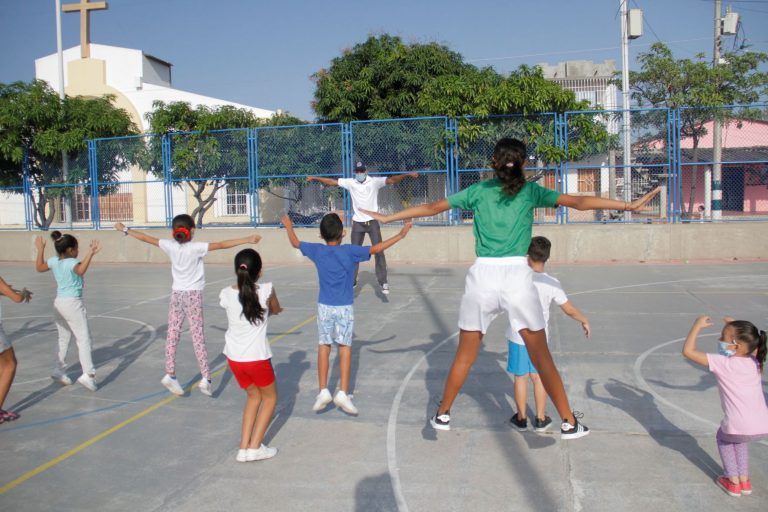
(359, 229)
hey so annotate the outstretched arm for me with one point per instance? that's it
(15, 295)
(273, 305)
(397, 178)
(228, 244)
(138, 235)
(601, 203)
(389, 242)
(575, 313)
(82, 267)
(689, 348)
(285, 220)
(40, 264)
(422, 210)
(334, 182)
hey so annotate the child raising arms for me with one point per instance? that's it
(7, 355)
(249, 306)
(738, 369)
(69, 311)
(186, 292)
(519, 364)
(336, 263)
(500, 279)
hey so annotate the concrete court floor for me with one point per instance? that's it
(133, 446)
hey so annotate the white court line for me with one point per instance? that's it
(394, 472)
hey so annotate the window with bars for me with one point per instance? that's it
(236, 202)
(589, 180)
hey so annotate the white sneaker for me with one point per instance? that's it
(385, 289)
(87, 382)
(62, 378)
(261, 453)
(205, 387)
(323, 398)
(172, 384)
(343, 401)
(242, 455)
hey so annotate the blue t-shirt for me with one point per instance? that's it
(335, 270)
(69, 283)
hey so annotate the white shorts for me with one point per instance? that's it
(496, 285)
(5, 343)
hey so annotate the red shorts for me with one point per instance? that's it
(258, 373)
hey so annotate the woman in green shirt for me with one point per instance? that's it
(501, 280)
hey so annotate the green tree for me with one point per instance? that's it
(36, 122)
(665, 81)
(209, 148)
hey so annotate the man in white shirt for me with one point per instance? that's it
(364, 191)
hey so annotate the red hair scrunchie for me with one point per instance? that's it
(184, 232)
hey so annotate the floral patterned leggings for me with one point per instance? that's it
(186, 304)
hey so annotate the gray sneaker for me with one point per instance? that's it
(385, 289)
(62, 378)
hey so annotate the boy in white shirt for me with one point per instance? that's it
(518, 362)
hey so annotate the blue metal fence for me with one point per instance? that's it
(250, 177)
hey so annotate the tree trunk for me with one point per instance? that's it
(203, 203)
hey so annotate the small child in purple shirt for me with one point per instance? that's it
(336, 265)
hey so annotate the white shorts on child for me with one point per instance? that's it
(498, 285)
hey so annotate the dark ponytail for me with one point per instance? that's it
(63, 242)
(247, 268)
(181, 227)
(746, 332)
(508, 161)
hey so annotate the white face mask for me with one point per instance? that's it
(722, 348)
(360, 176)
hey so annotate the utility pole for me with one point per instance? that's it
(66, 202)
(626, 128)
(717, 171)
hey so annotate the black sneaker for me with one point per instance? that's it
(441, 421)
(568, 431)
(542, 425)
(519, 424)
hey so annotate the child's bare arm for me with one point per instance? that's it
(82, 267)
(40, 264)
(285, 220)
(386, 244)
(601, 203)
(17, 296)
(273, 305)
(138, 235)
(575, 313)
(333, 182)
(228, 244)
(689, 347)
(422, 210)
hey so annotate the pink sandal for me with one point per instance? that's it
(8, 416)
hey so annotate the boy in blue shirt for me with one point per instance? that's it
(336, 265)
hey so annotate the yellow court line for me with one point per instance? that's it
(77, 449)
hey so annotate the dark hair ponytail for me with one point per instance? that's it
(181, 227)
(63, 242)
(746, 332)
(247, 268)
(508, 161)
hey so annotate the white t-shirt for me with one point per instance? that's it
(550, 290)
(365, 195)
(245, 341)
(186, 263)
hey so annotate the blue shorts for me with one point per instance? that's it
(518, 362)
(335, 324)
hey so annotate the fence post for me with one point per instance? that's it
(253, 174)
(673, 181)
(452, 164)
(94, 175)
(165, 146)
(561, 169)
(347, 157)
(26, 190)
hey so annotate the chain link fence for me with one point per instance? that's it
(250, 177)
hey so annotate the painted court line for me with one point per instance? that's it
(77, 449)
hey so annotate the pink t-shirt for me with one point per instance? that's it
(741, 394)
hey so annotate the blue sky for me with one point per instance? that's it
(262, 53)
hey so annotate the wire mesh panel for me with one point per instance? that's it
(131, 185)
(595, 164)
(394, 147)
(728, 181)
(13, 208)
(285, 156)
(208, 169)
(477, 136)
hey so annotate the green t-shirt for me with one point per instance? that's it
(502, 225)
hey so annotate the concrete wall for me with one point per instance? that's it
(570, 244)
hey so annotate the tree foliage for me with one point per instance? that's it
(39, 125)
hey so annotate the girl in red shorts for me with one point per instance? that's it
(248, 306)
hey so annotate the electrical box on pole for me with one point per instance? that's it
(634, 23)
(730, 24)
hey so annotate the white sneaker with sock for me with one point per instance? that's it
(323, 398)
(172, 384)
(87, 382)
(344, 401)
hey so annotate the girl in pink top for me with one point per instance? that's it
(738, 368)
